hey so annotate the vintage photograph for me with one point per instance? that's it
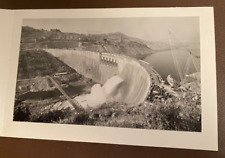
(118, 72)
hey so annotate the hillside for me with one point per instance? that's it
(113, 42)
(33, 63)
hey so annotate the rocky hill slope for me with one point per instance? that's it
(37, 63)
(112, 43)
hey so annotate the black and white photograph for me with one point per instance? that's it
(137, 72)
(125, 76)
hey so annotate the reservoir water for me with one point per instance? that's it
(163, 62)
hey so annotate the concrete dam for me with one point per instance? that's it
(102, 66)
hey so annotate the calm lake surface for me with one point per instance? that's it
(163, 62)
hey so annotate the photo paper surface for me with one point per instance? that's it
(111, 77)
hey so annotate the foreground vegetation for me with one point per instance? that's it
(176, 113)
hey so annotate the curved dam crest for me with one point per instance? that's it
(102, 66)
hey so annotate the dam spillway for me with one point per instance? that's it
(102, 66)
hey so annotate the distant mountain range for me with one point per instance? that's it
(118, 43)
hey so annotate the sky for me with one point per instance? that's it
(150, 29)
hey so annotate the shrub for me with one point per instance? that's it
(21, 113)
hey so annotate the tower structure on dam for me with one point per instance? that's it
(107, 58)
(102, 66)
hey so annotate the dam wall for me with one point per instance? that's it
(102, 66)
(154, 76)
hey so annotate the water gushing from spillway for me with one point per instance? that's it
(102, 66)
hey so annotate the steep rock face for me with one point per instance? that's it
(36, 63)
